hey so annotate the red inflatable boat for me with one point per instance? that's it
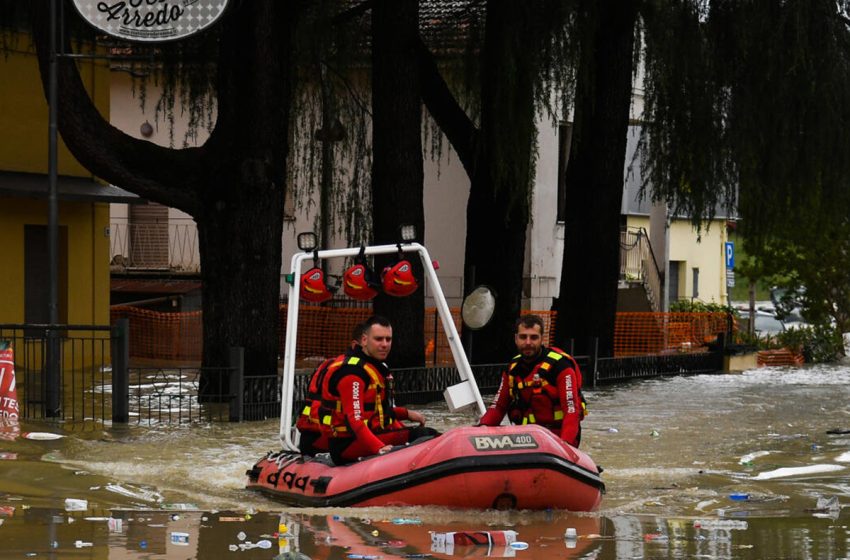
(504, 467)
(520, 467)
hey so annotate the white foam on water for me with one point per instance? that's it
(843, 458)
(749, 457)
(796, 471)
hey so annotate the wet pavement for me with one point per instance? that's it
(751, 465)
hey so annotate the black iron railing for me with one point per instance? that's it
(96, 384)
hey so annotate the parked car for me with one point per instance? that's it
(766, 324)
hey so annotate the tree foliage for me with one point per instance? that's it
(743, 104)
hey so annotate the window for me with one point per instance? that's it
(674, 281)
(565, 133)
(695, 290)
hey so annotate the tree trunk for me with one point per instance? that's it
(233, 186)
(587, 302)
(498, 208)
(397, 174)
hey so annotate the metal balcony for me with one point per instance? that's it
(170, 246)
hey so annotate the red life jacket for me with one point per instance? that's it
(534, 396)
(377, 413)
(315, 416)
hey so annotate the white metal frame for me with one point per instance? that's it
(467, 386)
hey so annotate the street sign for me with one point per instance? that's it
(151, 21)
(730, 278)
(730, 255)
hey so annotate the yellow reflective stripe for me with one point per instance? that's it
(559, 415)
(545, 366)
(306, 411)
(376, 381)
(554, 355)
(524, 421)
(353, 360)
(531, 418)
(327, 420)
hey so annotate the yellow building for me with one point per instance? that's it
(83, 249)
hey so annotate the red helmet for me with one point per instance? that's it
(313, 286)
(398, 279)
(358, 284)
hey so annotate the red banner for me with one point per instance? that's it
(8, 390)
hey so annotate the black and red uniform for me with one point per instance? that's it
(363, 420)
(543, 390)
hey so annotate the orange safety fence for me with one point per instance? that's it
(326, 331)
(659, 333)
(162, 336)
(779, 357)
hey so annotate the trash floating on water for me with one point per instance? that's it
(73, 504)
(405, 521)
(739, 497)
(828, 502)
(472, 538)
(654, 433)
(43, 436)
(519, 545)
(725, 524)
(181, 539)
(570, 533)
(137, 493)
(180, 507)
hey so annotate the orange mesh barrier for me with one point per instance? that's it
(322, 331)
(780, 357)
(657, 333)
(326, 331)
(437, 350)
(162, 336)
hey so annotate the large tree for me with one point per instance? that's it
(587, 302)
(233, 185)
(498, 152)
(397, 175)
(743, 102)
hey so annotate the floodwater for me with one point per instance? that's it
(737, 466)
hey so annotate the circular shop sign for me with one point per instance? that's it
(151, 21)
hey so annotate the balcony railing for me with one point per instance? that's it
(171, 246)
(638, 264)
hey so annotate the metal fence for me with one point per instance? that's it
(86, 378)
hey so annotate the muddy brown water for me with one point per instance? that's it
(711, 466)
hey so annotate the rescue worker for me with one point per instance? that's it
(539, 386)
(365, 421)
(314, 421)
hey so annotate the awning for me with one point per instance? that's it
(76, 189)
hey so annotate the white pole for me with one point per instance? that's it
(288, 381)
